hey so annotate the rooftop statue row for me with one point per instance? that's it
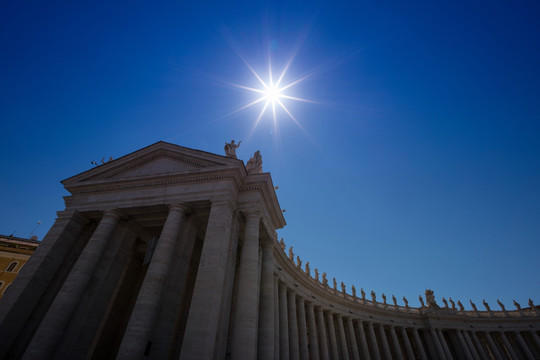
(429, 305)
(253, 166)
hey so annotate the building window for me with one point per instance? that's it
(12, 266)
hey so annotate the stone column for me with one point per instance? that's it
(492, 346)
(470, 345)
(283, 323)
(332, 335)
(244, 333)
(419, 344)
(524, 346)
(276, 319)
(322, 335)
(266, 342)
(395, 343)
(363, 341)
(508, 346)
(352, 340)
(463, 345)
(478, 344)
(535, 338)
(302, 329)
(437, 343)
(373, 341)
(148, 301)
(314, 344)
(203, 319)
(444, 344)
(342, 338)
(52, 327)
(294, 349)
(384, 342)
(407, 343)
(35, 277)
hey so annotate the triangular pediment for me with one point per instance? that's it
(153, 161)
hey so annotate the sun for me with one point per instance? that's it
(273, 94)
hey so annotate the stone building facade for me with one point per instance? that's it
(172, 253)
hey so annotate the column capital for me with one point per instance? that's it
(252, 213)
(179, 207)
(115, 213)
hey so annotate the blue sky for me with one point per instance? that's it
(417, 166)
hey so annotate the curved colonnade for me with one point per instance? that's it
(319, 322)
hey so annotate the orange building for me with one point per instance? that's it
(14, 253)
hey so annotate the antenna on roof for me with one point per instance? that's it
(38, 223)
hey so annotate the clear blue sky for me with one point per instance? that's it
(419, 166)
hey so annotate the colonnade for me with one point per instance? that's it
(309, 330)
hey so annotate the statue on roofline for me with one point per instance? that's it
(453, 303)
(230, 149)
(486, 305)
(324, 279)
(291, 254)
(445, 303)
(430, 299)
(316, 274)
(406, 302)
(394, 300)
(501, 305)
(516, 304)
(373, 296)
(473, 305)
(282, 244)
(342, 287)
(298, 261)
(353, 289)
(421, 300)
(254, 165)
(461, 307)
(308, 271)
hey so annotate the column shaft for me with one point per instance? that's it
(244, 334)
(508, 346)
(524, 346)
(203, 319)
(384, 342)
(437, 343)
(342, 338)
(479, 346)
(302, 329)
(266, 343)
(294, 349)
(332, 334)
(373, 341)
(470, 345)
(419, 344)
(407, 343)
(352, 340)
(313, 342)
(444, 344)
(52, 327)
(363, 340)
(493, 347)
(463, 345)
(276, 319)
(322, 335)
(535, 338)
(148, 301)
(395, 343)
(283, 323)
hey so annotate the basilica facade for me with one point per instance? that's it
(172, 253)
